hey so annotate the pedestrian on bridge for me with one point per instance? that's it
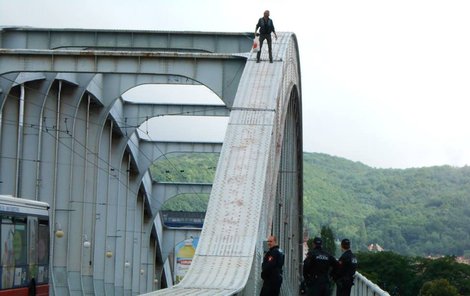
(271, 269)
(345, 270)
(266, 28)
(317, 267)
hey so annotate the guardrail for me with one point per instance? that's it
(364, 287)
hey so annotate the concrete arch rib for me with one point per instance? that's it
(265, 118)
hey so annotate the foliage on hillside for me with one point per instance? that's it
(185, 168)
(419, 211)
(187, 202)
(409, 276)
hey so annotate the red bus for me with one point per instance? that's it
(24, 246)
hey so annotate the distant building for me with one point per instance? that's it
(375, 248)
(458, 259)
(462, 259)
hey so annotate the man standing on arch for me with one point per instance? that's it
(266, 27)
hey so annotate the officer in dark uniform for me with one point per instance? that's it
(271, 269)
(317, 266)
(345, 270)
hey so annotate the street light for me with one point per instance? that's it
(58, 230)
(86, 242)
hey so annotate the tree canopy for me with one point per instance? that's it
(402, 275)
(419, 211)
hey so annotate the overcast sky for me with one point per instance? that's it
(386, 83)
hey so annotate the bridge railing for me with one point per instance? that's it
(364, 287)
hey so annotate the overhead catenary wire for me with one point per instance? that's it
(49, 129)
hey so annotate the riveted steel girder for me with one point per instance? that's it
(219, 72)
(37, 38)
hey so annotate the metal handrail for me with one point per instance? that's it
(364, 287)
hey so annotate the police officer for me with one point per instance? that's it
(345, 270)
(271, 269)
(317, 266)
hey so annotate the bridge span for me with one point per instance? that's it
(69, 139)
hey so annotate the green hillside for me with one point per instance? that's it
(423, 211)
(412, 211)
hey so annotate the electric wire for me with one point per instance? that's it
(124, 126)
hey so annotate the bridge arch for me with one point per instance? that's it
(260, 193)
(96, 172)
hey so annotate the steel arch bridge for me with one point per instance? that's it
(69, 139)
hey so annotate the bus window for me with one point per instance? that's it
(24, 245)
(32, 247)
(43, 252)
(13, 248)
(7, 230)
(20, 247)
